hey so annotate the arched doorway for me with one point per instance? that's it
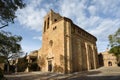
(50, 66)
(109, 63)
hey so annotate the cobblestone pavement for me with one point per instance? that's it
(103, 73)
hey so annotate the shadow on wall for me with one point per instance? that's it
(11, 68)
(100, 58)
(34, 67)
(87, 75)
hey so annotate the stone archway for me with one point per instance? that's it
(109, 63)
(50, 65)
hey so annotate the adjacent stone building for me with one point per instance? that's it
(33, 61)
(107, 59)
(66, 47)
(2, 62)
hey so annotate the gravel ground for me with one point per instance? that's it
(103, 73)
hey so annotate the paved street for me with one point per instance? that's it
(111, 73)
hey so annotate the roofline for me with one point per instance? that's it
(65, 18)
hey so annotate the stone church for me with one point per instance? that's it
(107, 59)
(66, 47)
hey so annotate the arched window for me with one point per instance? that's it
(55, 20)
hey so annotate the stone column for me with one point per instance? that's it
(68, 48)
(87, 54)
(27, 69)
(16, 62)
(94, 57)
(79, 56)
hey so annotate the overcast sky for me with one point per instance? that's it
(98, 17)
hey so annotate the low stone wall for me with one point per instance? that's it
(2, 66)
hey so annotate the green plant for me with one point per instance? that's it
(22, 64)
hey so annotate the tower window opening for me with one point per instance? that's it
(48, 23)
(44, 26)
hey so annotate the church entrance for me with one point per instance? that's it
(109, 63)
(50, 66)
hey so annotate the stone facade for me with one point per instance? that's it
(107, 59)
(66, 48)
(32, 60)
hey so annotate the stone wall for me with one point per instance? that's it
(83, 50)
(2, 66)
